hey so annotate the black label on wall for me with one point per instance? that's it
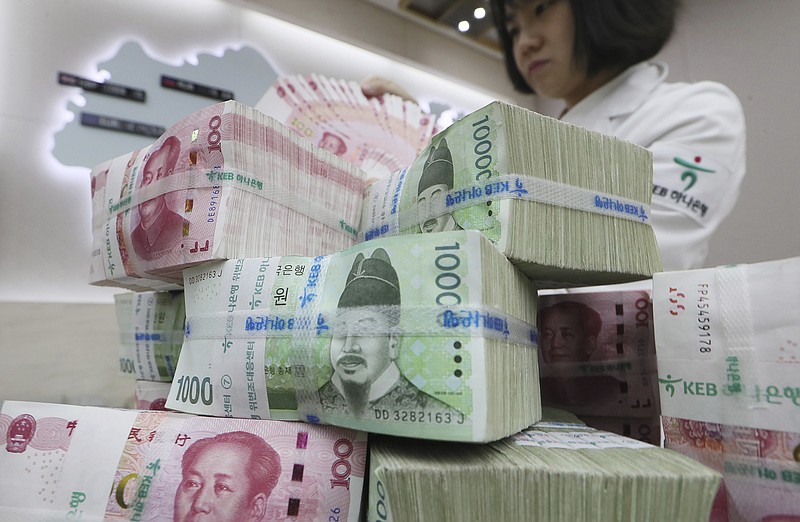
(168, 82)
(120, 125)
(109, 89)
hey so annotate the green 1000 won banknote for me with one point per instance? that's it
(429, 336)
(63, 462)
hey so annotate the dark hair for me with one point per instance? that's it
(588, 318)
(264, 467)
(609, 34)
(172, 148)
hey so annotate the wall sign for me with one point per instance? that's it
(110, 89)
(107, 125)
(118, 124)
(168, 82)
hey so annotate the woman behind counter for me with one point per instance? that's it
(595, 57)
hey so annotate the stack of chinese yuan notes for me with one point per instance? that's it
(553, 471)
(728, 345)
(428, 336)
(224, 182)
(64, 462)
(597, 357)
(379, 135)
(563, 203)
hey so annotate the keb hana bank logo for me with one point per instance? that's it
(692, 170)
(688, 387)
(690, 183)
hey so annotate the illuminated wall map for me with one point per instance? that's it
(243, 71)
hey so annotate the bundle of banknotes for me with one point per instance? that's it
(429, 336)
(551, 471)
(150, 333)
(563, 203)
(224, 182)
(338, 263)
(597, 357)
(379, 135)
(728, 343)
(62, 462)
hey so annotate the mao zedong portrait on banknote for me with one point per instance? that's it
(568, 337)
(569, 332)
(366, 345)
(228, 477)
(333, 143)
(159, 228)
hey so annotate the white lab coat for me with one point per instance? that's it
(696, 132)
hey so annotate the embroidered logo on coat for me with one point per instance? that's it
(692, 169)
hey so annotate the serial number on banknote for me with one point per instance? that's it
(703, 319)
(420, 416)
(210, 274)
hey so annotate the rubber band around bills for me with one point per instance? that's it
(737, 329)
(302, 356)
(509, 186)
(414, 320)
(217, 179)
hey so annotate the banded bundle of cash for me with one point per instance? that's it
(427, 336)
(224, 182)
(728, 343)
(597, 357)
(151, 333)
(379, 135)
(563, 203)
(63, 462)
(551, 471)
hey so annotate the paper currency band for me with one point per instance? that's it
(511, 186)
(302, 351)
(131, 336)
(737, 331)
(232, 178)
(574, 437)
(309, 324)
(414, 320)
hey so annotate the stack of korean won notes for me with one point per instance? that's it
(556, 470)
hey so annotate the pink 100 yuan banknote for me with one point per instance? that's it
(62, 462)
(761, 468)
(597, 357)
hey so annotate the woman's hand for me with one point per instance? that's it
(375, 86)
